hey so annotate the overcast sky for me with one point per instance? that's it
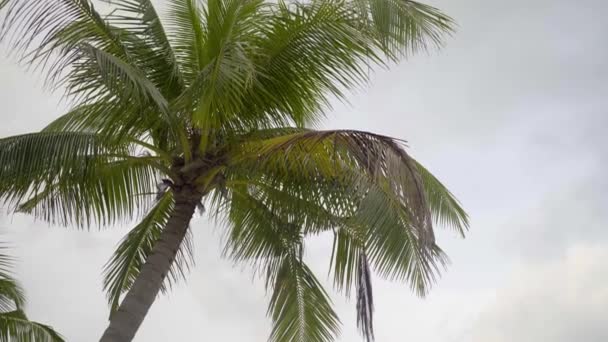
(511, 115)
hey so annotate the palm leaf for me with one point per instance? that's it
(152, 47)
(48, 33)
(365, 299)
(228, 69)
(445, 208)
(366, 188)
(74, 177)
(11, 293)
(309, 53)
(403, 27)
(99, 68)
(299, 307)
(382, 161)
(14, 326)
(185, 30)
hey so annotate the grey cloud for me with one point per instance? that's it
(560, 301)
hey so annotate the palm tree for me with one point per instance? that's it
(212, 108)
(14, 324)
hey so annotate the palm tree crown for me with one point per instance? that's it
(211, 107)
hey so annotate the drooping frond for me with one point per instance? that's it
(445, 208)
(370, 158)
(299, 307)
(75, 177)
(14, 326)
(364, 187)
(393, 247)
(123, 268)
(365, 299)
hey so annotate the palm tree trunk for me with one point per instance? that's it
(125, 322)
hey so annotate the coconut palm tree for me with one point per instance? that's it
(14, 324)
(213, 107)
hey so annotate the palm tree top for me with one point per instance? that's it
(212, 105)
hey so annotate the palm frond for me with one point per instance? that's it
(14, 326)
(365, 299)
(445, 208)
(74, 177)
(393, 246)
(11, 293)
(380, 160)
(228, 71)
(123, 268)
(363, 186)
(309, 53)
(185, 30)
(403, 27)
(299, 307)
(47, 32)
(6, 264)
(152, 48)
(98, 69)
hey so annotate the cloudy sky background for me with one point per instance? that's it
(511, 115)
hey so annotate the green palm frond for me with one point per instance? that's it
(48, 33)
(393, 246)
(227, 69)
(99, 69)
(185, 30)
(14, 326)
(110, 119)
(6, 264)
(371, 158)
(445, 208)
(403, 27)
(150, 43)
(310, 53)
(365, 187)
(123, 268)
(11, 293)
(300, 308)
(74, 177)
